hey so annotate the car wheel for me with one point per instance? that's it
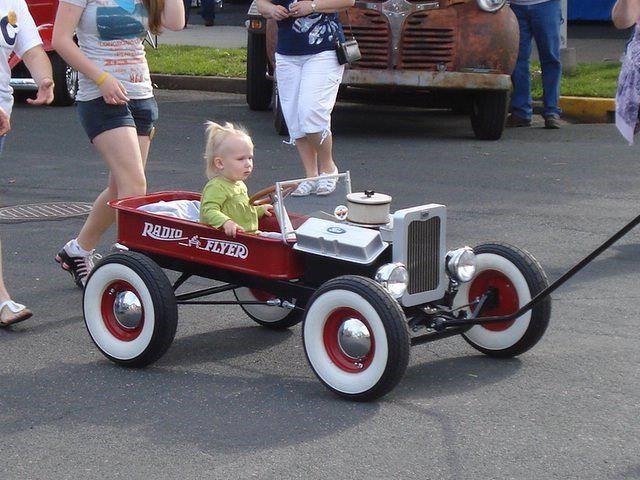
(517, 277)
(130, 309)
(355, 338)
(276, 318)
(66, 81)
(259, 87)
(279, 122)
(489, 114)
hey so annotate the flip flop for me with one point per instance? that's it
(23, 313)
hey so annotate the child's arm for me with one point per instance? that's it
(213, 197)
(263, 210)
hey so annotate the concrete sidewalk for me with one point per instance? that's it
(218, 36)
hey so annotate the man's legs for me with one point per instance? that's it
(545, 24)
(521, 77)
(208, 11)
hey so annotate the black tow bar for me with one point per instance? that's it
(453, 322)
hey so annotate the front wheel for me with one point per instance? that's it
(279, 123)
(515, 277)
(65, 79)
(489, 114)
(130, 309)
(276, 318)
(355, 338)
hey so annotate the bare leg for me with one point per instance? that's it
(120, 150)
(324, 151)
(4, 295)
(308, 155)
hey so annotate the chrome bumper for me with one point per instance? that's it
(422, 79)
(23, 84)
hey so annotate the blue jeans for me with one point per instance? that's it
(208, 9)
(540, 22)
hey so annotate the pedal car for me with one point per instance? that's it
(366, 284)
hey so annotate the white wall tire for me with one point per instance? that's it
(379, 367)
(148, 336)
(517, 277)
(276, 318)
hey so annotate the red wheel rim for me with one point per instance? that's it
(261, 295)
(507, 300)
(332, 345)
(109, 317)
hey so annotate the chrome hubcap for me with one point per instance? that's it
(354, 338)
(127, 310)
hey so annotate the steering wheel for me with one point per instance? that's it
(265, 195)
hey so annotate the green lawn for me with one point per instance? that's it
(591, 80)
(188, 60)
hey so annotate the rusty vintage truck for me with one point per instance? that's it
(448, 53)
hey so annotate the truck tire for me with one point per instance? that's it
(259, 87)
(66, 81)
(489, 114)
(279, 123)
(517, 277)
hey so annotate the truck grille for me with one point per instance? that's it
(428, 42)
(371, 30)
(423, 249)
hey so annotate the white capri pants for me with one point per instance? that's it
(307, 89)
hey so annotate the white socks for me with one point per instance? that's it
(76, 250)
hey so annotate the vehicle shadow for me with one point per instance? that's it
(452, 376)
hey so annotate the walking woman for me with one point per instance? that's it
(115, 100)
(308, 76)
(20, 35)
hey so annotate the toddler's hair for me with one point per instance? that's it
(216, 135)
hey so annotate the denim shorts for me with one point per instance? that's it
(97, 116)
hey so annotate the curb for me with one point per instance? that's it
(202, 83)
(581, 109)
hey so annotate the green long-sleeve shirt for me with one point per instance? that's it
(224, 200)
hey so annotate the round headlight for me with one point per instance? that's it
(491, 5)
(461, 264)
(394, 278)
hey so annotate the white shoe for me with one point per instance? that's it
(306, 187)
(327, 183)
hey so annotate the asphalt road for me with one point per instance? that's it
(233, 400)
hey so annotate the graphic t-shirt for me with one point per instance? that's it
(18, 33)
(314, 33)
(110, 34)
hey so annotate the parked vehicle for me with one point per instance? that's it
(64, 77)
(460, 52)
(364, 291)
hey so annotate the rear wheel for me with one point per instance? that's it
(516, 277)
(269, 316)
(355, 338)
(489, 114)
(130, 309)
(279, 123)
(259, 87)
(65, 79)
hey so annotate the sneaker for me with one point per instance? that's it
(306, 187)
(514, 121)
(552, 122)
(79, 266)
(327, 183)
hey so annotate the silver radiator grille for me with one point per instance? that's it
(423, 249)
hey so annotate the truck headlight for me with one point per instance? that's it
(461, 264)
(394, 278)
(491, 5)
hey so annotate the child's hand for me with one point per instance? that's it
(231, 228)
(268, 209)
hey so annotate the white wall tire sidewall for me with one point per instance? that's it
(264, 313)
(504, 339)
(313, 330)
(100, 279)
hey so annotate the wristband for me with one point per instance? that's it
(100, 80)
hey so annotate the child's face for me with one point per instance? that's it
(236, 158)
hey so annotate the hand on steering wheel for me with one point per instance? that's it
(265, 195)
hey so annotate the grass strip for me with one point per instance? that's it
(590, 80)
